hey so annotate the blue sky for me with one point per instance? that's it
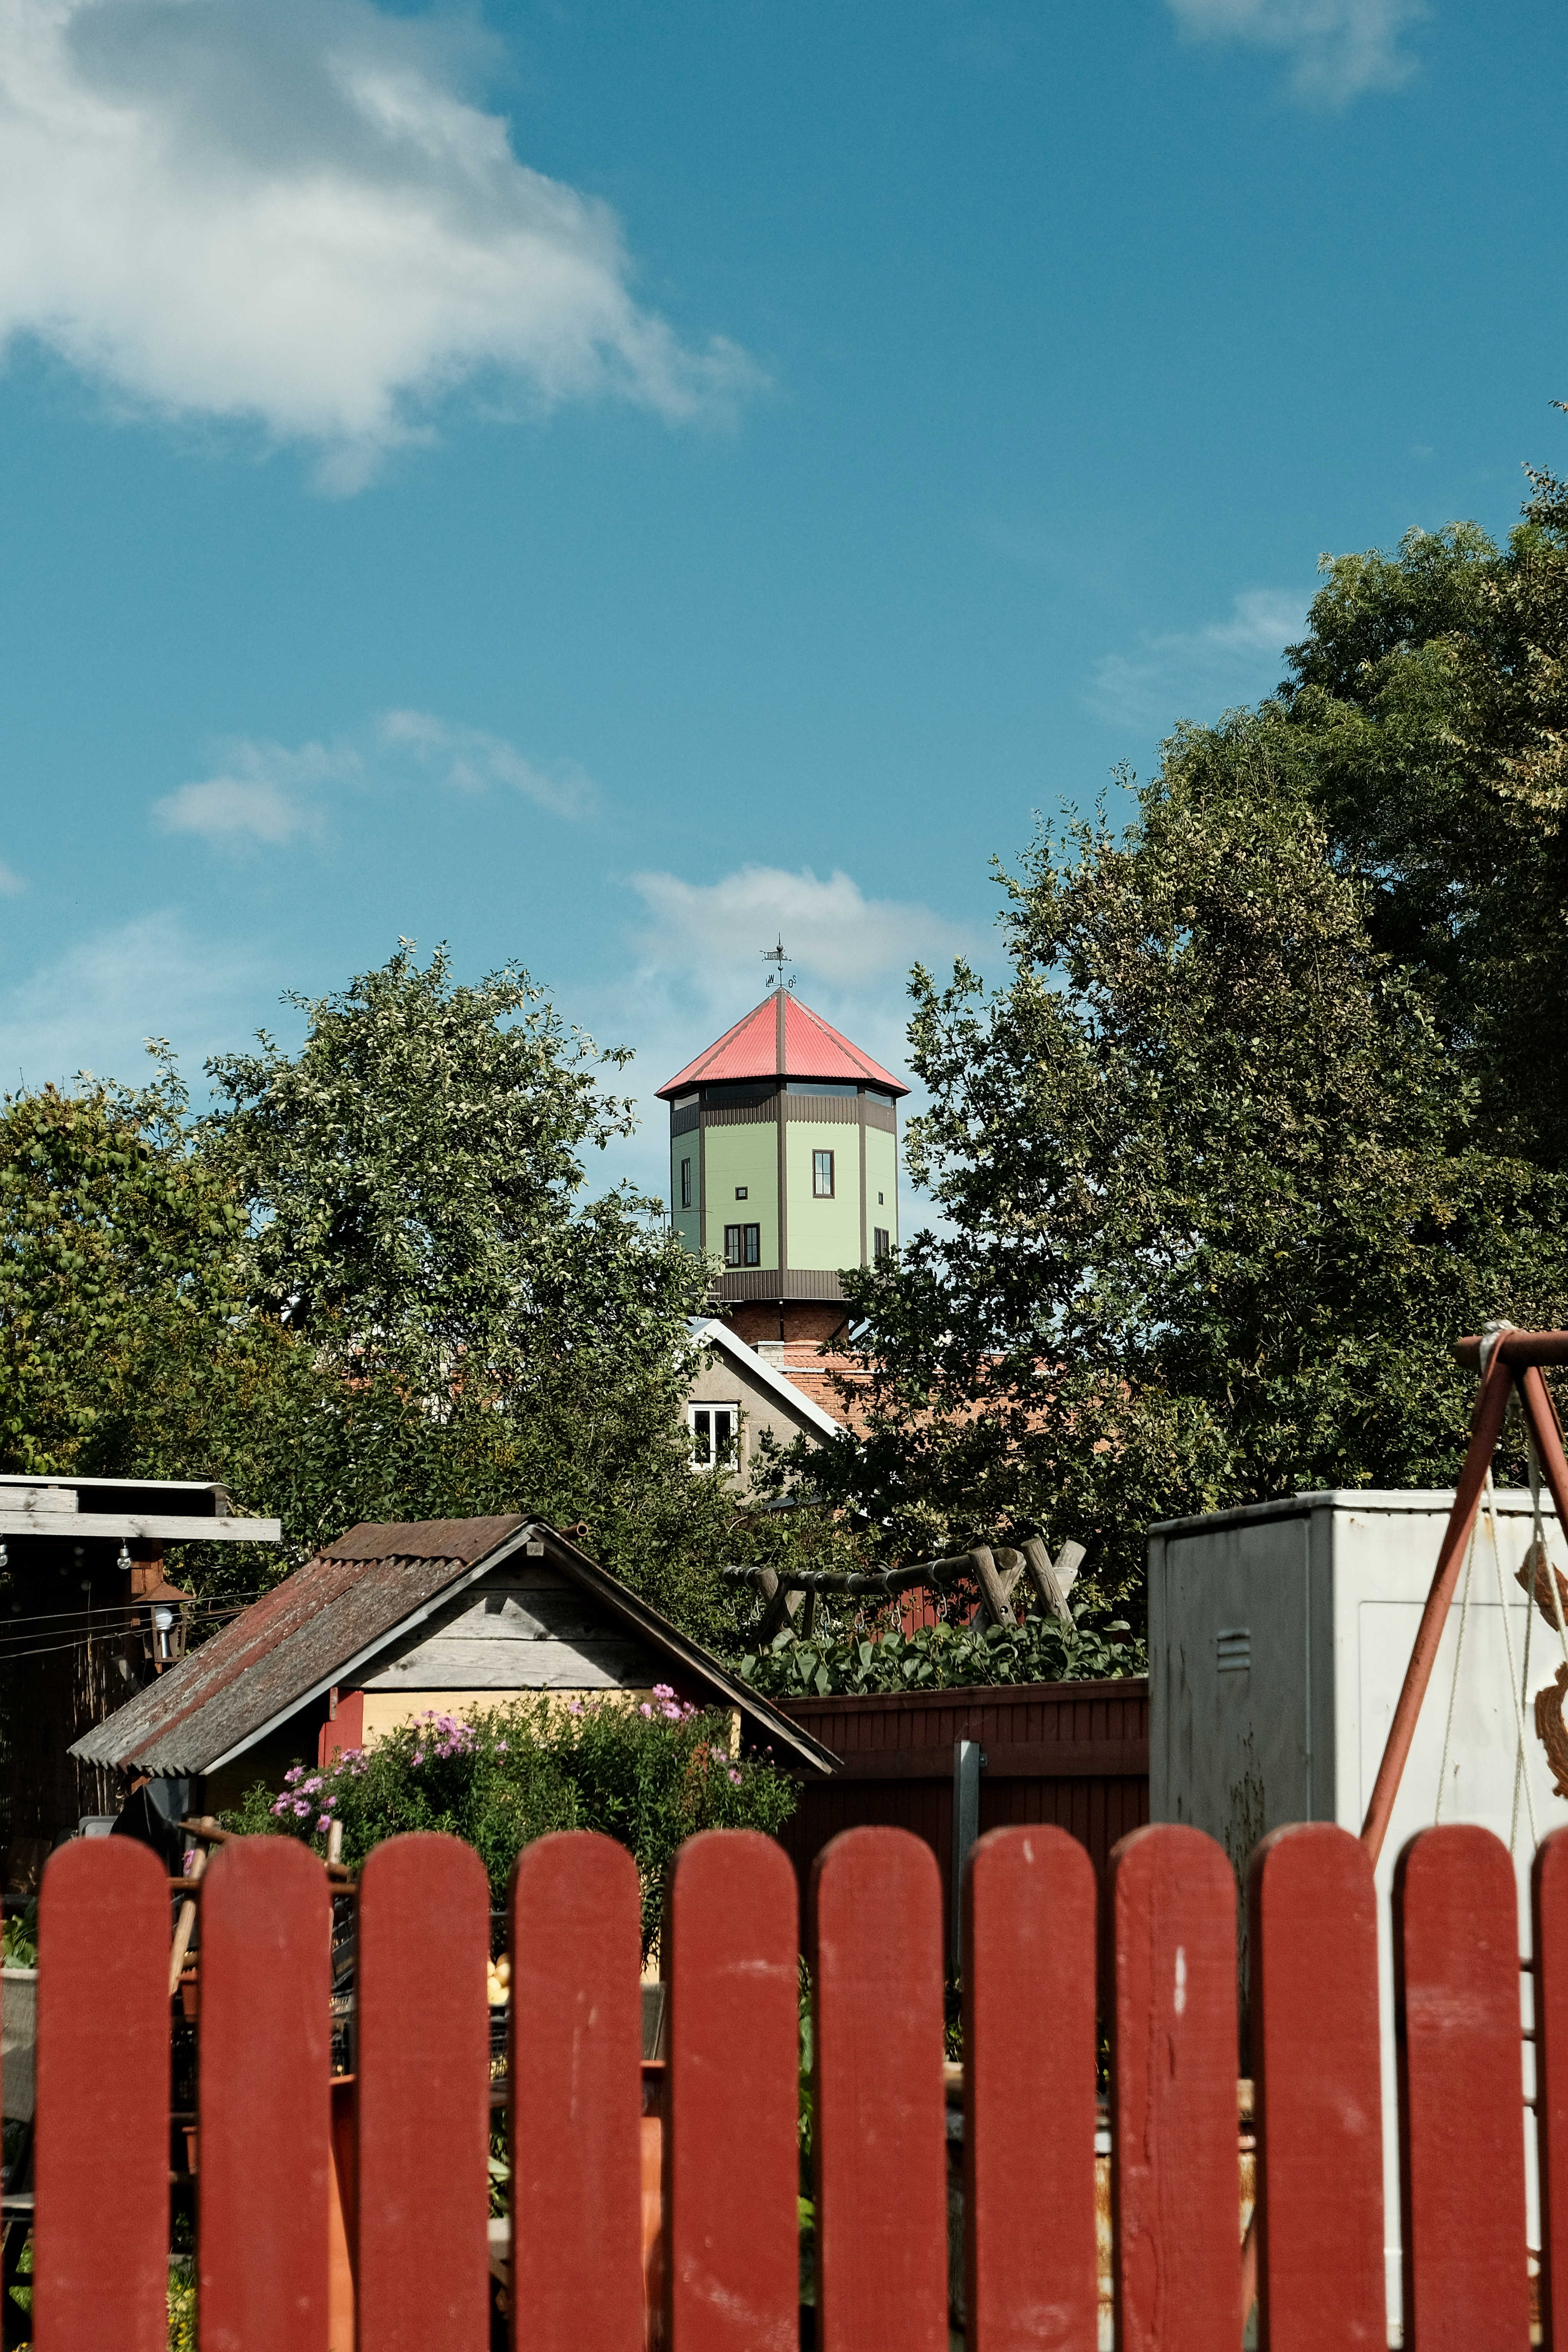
(599, 484)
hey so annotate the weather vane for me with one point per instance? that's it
(776, 955)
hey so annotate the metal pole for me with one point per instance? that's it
(967, 1760)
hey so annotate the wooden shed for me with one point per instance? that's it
(392, 1621)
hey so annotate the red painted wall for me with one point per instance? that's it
(346, 1730)
(1073, 1753)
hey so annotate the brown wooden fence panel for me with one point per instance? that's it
(1073, 1755)
(1028, 2088)
(881, 2166)
(265, 2103)
(1171, 1896)
(1319, 2093)
(1455, 1924)
(100, 2251)
(424, 2060)
(731, 2150)
(576, 2097)
(882, 2221)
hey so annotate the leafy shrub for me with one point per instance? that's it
(648, 1775)
(1040, 1650)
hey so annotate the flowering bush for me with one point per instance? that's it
(649, 1774)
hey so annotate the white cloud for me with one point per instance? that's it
(95, 1007)
(262, 792)
(283, 212)
(1196, 673)
(265, 795)
(11, 884)
(469, 760)
(831, 929)
(1339, 48)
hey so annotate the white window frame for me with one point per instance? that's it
(713, 1459)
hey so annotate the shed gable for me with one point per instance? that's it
(524, 1627)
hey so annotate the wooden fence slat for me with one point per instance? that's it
(880, 2124)
(576, 2097)
(100, 2248)
(1317, 2091)
(731, 2148)
(1029, 2089)
(1456, 1943)
(1548, 1905)
(423, 2062)
(1175, 2169)
(265, 2060)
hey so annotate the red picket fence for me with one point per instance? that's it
(729, 2185)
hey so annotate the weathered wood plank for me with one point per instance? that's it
(1318, 2092)
(510, 1617)
(443, 1665)
(576, 2133)
(1456, 1947)
(424, 2096)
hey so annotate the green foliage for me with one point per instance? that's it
(1430, 707)
(648, 1775)
(183, 2335)
(19, 1938)
(368, 1286)
(947, 1656)
(1214, 1197)
(115, 1246)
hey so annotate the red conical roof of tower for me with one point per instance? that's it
(782, 1037)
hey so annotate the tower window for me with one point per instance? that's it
(715, 1430)
(686, 1183)
(739, 1192)
(742, 1244)
(878, 1200)
(822, 1175)
(880, 1241)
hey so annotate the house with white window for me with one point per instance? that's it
(736, 1395)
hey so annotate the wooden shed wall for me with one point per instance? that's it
(1075, 1754)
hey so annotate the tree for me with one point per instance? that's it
(1430, 707)
(116, 1246)
(1214, 1201)
(367, 1285)
(414, 1178)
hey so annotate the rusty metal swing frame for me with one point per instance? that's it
(1511, 1364)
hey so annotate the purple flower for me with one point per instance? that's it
(664, 1690)
(646, 1709)
(324, 1823)
(301, 1809)
(295, 1773)
(735, 1778)
(501, 1747)
(311, 1785)
(575, 1706)
(719, 1755)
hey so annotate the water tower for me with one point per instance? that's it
(784, 1165)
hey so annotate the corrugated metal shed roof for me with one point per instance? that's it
(326, 1622)
(809, 1047)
